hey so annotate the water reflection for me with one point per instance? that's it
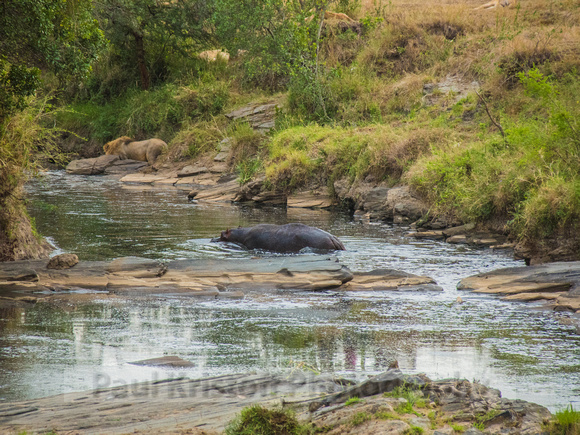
(529, 354)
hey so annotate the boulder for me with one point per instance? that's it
(94, 166)
(62, 261)
(402, 205)
(260, 116)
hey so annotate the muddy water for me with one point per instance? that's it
(532, 354)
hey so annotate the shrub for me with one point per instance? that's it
(257, 420)
(566, 422)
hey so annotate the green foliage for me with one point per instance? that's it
(248, 168)
(566, 422)
(457, 428)
(257, 420)
(165, 111)
(17, 82)
(146, 34)
(275, 34)
(60, 35)
(531, 179)
(414, 430)
(353, 400)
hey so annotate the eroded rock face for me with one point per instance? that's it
(62, 261)
(261, 117)
(397, 204)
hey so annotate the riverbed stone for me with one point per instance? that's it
(62, 261)
(164, 361)
(142, 178)
(550, 278)
(93, 166)
(191, 170)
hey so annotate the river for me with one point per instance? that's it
(520, 348)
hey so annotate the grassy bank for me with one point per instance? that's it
(395, 102)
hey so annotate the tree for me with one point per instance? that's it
(52, 35)
(145, 31)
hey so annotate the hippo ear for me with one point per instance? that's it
(228, 232)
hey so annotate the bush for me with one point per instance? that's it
(257, 420)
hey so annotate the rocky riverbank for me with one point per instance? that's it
(392, 403)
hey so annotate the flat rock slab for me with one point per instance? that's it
(205, 278)
(161, 407)
(164, 361)
(557, 282)
(197, 406)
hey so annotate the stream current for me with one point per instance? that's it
(524, 350)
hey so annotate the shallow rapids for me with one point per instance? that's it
(525, 351)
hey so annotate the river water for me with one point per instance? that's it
(522, 349)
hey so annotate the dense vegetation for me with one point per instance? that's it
(390, 99)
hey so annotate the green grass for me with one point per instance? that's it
(257, 420)
(566, 422)
(457, 428)
(353, 400)
(414, 430)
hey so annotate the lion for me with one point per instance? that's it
(328, 15)
(214, 55)
(144, 150)
(494, 4)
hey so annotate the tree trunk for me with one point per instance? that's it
(140, 51)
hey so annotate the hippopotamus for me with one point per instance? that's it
(281, 238)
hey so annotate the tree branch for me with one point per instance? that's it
(497, 124)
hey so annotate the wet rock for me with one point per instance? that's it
(225, 192)
(403, 205)
(550, 278)
(191, 170)
(459, 230)
(389, 279)
(62, 261)
(144, 178)
(18, 271)
(431, 235)
(254, 191)
(92, 166)
(165, 361)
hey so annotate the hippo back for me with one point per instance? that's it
(284, 238)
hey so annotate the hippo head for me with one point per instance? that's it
(225, 236)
